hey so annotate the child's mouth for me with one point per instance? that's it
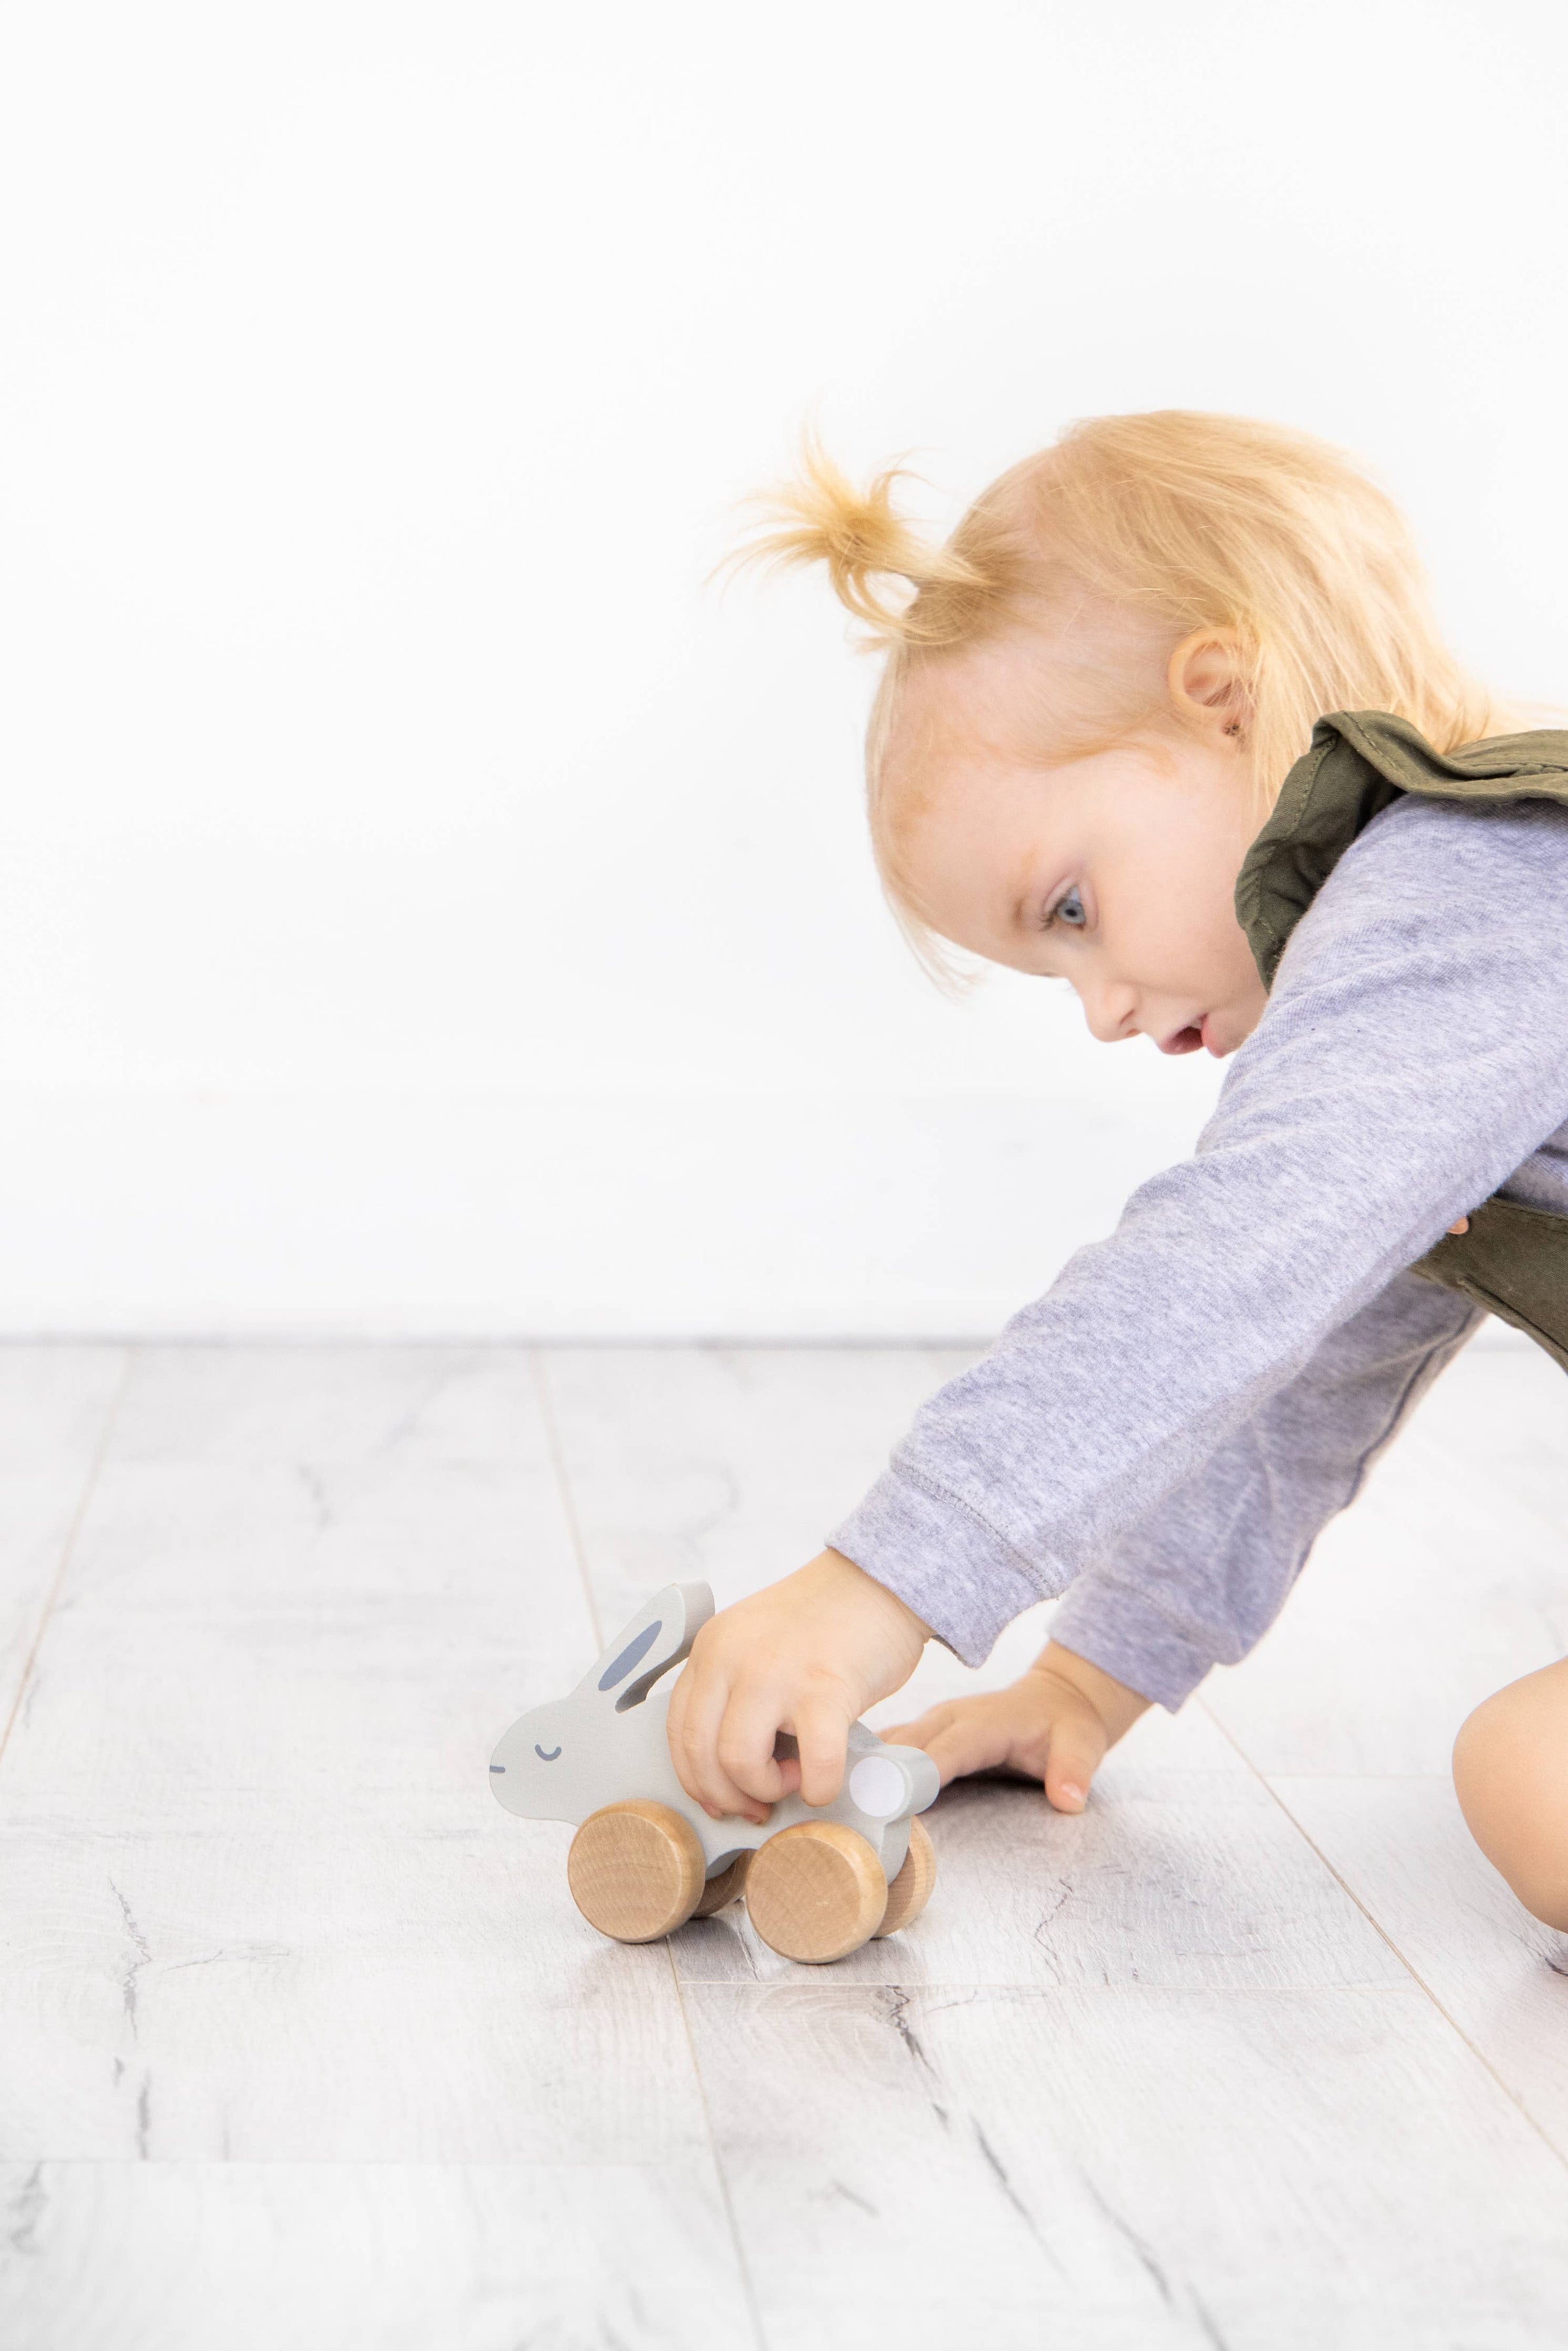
(1190, 1040)
(1196, 1037)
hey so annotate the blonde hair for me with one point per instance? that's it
(1269, 540)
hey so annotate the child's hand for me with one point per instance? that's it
(807, 1656)
(1054, 1724)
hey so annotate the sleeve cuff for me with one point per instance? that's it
(957, 1574)
(1126, 1634)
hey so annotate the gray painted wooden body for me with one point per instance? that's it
(607, 1741)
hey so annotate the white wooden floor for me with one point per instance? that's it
(304, 2046)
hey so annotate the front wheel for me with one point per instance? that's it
(816, 1892)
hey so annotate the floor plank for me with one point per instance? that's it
(724, 1463)
(1403, 1850)
(1176, 1875)
(417, 1995)
(311, 1584)
(261, 1900)
(303, 2040)
(56, 1403)
(367, 2257)
(1128, 2168)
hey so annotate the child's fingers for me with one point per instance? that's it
(821, 1737)
(744, 1752)
(1077, 1750)
(697, 1708)
(924, 1726)
(970, 1742)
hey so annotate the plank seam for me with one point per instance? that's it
(564, 1488)
(580, 1552)
(68, 1548)
(759, 2333)
(1377, 1926)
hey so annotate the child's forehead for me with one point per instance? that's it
(976, 706)
(931, 775)
(1030, 695)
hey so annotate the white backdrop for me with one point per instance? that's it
(426, 905)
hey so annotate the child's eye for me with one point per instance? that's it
(1068, 909)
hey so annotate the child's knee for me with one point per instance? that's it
(1511, 1772)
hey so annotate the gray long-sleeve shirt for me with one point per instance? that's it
(1170, 1428)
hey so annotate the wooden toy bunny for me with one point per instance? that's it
(819, 1881)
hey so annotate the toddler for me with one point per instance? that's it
(1169, 715)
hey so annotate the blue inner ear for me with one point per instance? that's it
(631, 1655)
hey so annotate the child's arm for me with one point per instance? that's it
(1054, 1724)
(1198, 1582)
(1414, 1055)
(1195, 1584)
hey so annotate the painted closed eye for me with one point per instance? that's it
(1069, 909)
(550, 1758)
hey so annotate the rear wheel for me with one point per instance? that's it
(637, 1870)
(724, 1888)
(911, 1889)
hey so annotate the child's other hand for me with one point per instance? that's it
(807, 1656)
(1053, 1725)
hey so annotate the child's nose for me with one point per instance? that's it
(1110, 1013)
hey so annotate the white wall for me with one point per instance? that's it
(427, 907)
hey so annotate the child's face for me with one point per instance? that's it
(1114, 871)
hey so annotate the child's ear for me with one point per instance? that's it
(1207, 682)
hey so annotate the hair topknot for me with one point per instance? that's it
(906, 590)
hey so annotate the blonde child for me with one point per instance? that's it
(1094, 694)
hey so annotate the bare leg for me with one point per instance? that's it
(1510, 1770)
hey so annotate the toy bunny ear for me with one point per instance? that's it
(657, 1637)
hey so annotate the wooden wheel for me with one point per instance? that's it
(637, 1870)
(911, 1889)
(816, 1892)
(724, 1888)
